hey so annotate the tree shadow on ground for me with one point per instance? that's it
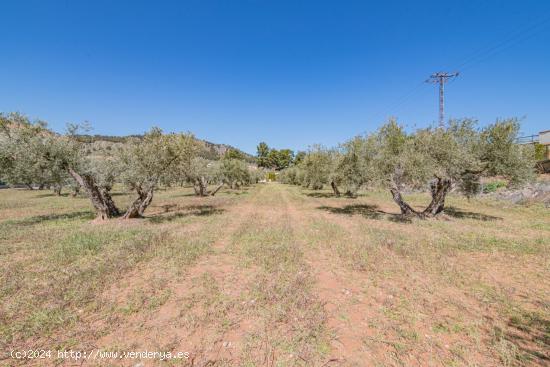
(182, 212)
(367, 211)
(462, 214)
(328, 195)
(530, 332)
(238, 193)
(51, 194)
(185, 195)
(51, 217)
(320, 195)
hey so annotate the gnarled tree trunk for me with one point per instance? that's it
(439, 190)
(334, 188)
(197, 189)
(100, 197)
(57, 189)
(406, 209)
(138, 206)
(201, 186)
(146, 202)
(216, 189)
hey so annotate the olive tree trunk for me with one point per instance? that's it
(439, 190)
(101, 199)
(406, 209)
(138, 206)
(197, 189)
(335, 188)
(57, 189)
(216, 189)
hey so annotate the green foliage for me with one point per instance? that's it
(235, 173)
(263, 155)
(234, 154)
(273, 158)
(470, 185)
(280, 159)
(299, 157)
(352, 162)
(292, 175)
(500, 154)
(540, 152)
(316, 166)
(145, 162)
(30, 154)
(207, 169)
(493, 186)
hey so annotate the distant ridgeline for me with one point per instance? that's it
(211, 151)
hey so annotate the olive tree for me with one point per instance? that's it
(234, 172)
(22, 147)
(316, 167)
(351, 168)
(441, 158)
(30, 152)
(203, 172)
(145, 161)
(291, 175)
(95, 176)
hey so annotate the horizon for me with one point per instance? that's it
(290, 74)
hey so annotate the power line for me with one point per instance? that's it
(520, 34)
(399, 102)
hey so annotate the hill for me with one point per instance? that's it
(211, 150)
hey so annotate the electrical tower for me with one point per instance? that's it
(441, 78)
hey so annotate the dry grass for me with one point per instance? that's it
(277, 276)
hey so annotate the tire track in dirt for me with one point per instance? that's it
(371, 314)
(290, 322)
(341, 293)
(209, 291)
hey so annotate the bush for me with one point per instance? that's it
(493, 186)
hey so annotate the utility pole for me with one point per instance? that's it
(441, 78)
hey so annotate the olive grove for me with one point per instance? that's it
(434, 159)
(32, 155)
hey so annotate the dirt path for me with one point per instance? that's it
(338, 290)
(203, 297)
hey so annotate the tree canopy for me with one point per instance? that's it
(272, 158)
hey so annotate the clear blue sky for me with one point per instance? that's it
(291, 73)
